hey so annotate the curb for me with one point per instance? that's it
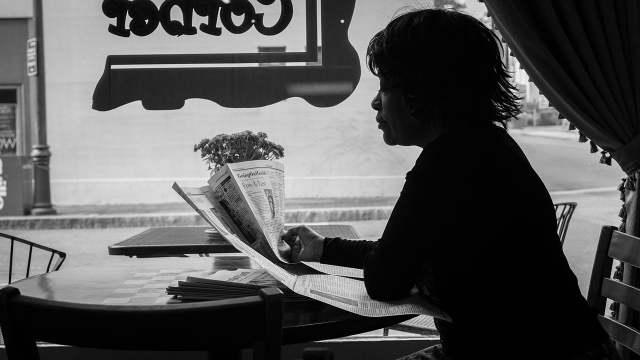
(181, 219)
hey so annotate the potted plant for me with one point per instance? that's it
(234, 148)
(238, 147)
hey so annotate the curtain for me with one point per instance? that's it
(584, 56)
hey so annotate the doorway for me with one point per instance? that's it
(10, 121)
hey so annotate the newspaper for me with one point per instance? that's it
(246, 276)
(252, 193)
(201, 203)
(244, 202)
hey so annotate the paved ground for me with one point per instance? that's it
(145, 215)
(182, 207)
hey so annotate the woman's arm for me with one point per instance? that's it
(414, 229)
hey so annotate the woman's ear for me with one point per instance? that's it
(419, 119)
(433, 115)
(438, 116)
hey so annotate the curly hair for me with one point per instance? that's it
(448, 60)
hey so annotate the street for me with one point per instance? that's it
(568, 165)
(569, 170)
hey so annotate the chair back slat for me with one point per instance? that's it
(50, 261)
(274, 310)
(625, 248)
(11, 259)
(29, 260)
(623, 334)
(623, 293)
(58, 263)
(602, 265)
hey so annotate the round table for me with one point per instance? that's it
(144, 281)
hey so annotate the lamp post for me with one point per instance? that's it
(40, 153)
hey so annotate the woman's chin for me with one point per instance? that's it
(388, 139)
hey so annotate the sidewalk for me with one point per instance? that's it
(554, 131)
(176, 214)
(181, 214)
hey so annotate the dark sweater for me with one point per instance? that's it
(475, 230)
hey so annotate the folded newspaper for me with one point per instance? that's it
(244, 202)
(227, 284)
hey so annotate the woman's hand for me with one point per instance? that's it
(306, 244)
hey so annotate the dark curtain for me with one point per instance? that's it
(584, 56)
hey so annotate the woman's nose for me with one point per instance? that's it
(375, 103)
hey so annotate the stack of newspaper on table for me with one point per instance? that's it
(227, 284)
(244, 202)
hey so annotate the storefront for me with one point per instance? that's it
(15, 130)
(130, 154)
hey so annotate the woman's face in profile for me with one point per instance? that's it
(398, 127)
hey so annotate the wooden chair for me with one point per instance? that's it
(23, 253)
(626, 248)
(223, 328)
(564, 211)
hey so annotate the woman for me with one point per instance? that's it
(474, 228)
